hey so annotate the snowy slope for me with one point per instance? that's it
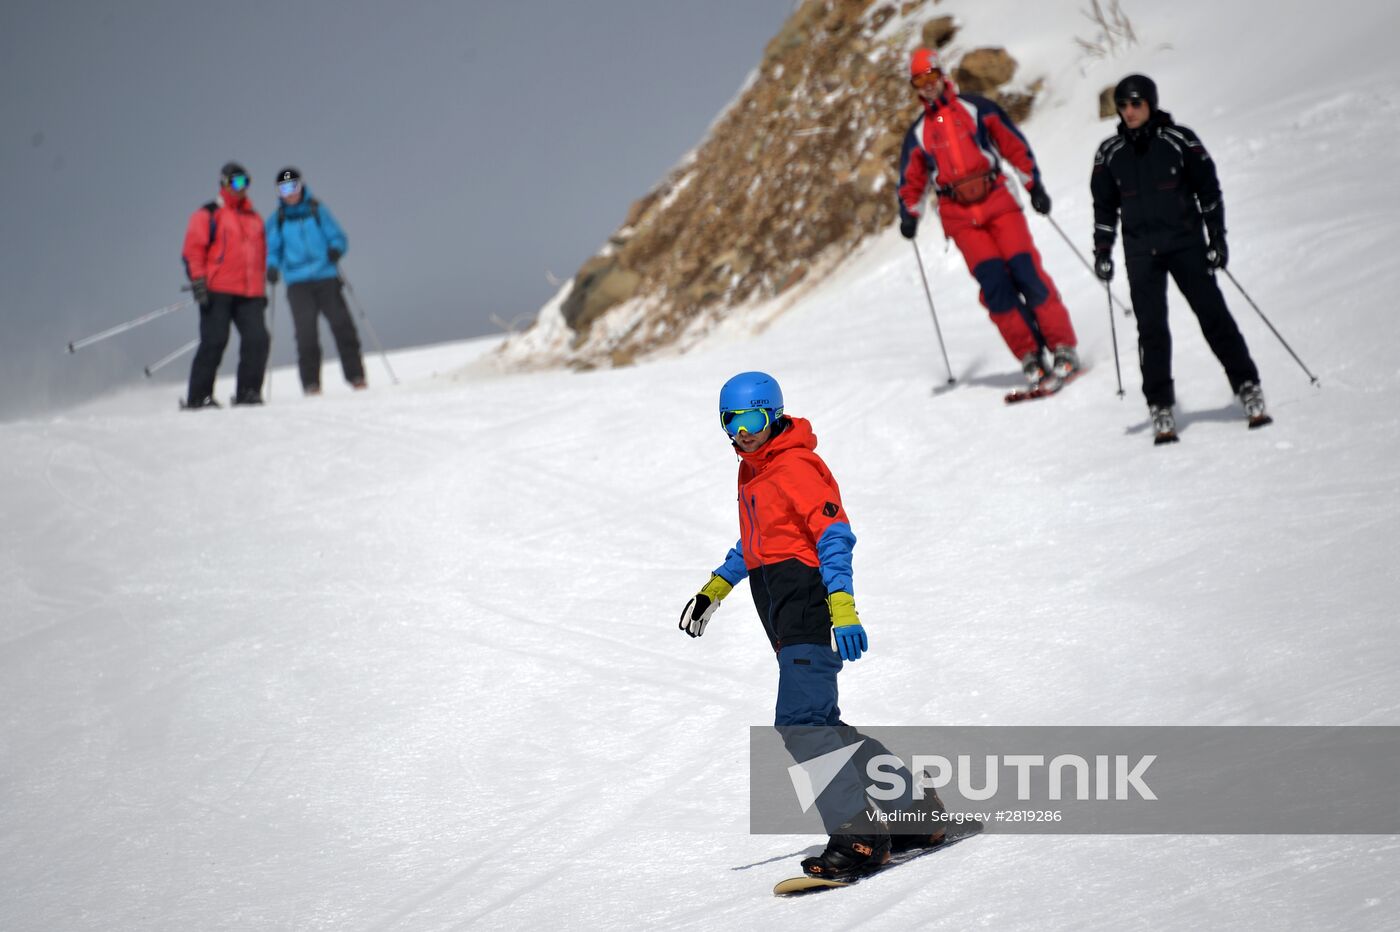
(407, 660)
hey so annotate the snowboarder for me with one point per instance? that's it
(795, 547)
(305, 243)
(224, 255)
(1159, 176)
(956, 146)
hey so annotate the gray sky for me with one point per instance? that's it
(465, 147)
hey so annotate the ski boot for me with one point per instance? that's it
(249, 396)
(1163, 424)
(849, 854)
(1033, 368)
(1066, 362)
(194, 404)
(1252, 397)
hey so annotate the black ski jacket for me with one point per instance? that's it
(1163, 181)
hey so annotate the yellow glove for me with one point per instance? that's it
(697, 613)
(850, 637)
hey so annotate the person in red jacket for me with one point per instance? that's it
(956, 147)
(225, 257)
(794, 547)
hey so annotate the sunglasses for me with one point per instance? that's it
(238, 182)
(1131, 102)
(288, 188)
(928, 80)
(746, 421)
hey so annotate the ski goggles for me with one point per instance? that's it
(238, 182)
(288, 188)
(928, 80)
(745, 421)
(1127, 102)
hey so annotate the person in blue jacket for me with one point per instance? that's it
(304, 245)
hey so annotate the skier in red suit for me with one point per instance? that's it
(956, 147)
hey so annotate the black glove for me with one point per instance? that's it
(1103, 265)
(200, 289)
(273, 275)
(1040, 199)
(334, 255)
(909, 226)
(1217, 253)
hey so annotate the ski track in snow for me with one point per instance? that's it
(408, 659)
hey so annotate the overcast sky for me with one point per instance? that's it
(468, 149)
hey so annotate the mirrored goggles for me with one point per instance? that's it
(288, 188)
(746, 421)
(238, 182)
(928, 80)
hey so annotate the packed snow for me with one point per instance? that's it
(408, 660)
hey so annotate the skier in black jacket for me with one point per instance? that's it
(1159, 176)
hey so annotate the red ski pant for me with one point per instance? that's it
(1016, 290)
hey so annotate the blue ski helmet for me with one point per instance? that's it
(756, 392)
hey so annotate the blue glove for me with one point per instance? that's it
(851, 640)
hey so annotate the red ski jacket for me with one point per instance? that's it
(235, 260)
(954, 146)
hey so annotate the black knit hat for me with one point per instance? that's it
(288, 174)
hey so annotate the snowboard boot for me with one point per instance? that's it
(1033, 368)
(930, 829)
(1066, 362)
(848, 854)
(1252, 397)
(1163, 424)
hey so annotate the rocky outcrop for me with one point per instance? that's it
(794, 175)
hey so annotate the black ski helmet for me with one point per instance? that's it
(1136, 87)
(288, 174)
(230, 169)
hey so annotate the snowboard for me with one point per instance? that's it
(807, 884)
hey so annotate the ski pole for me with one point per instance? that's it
(271, 322)
(1113, 332)
(936, 329)
(76, 345)
(1127, 311)
(368, 326)
(172, 357)
(1312, 378)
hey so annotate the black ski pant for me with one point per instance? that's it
(308, 300)
(214, 318)
(1147, 281)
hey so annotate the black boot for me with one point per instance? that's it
(850, 855)
(928, 830)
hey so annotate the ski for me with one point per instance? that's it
(794, 886)
(1048, 386)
